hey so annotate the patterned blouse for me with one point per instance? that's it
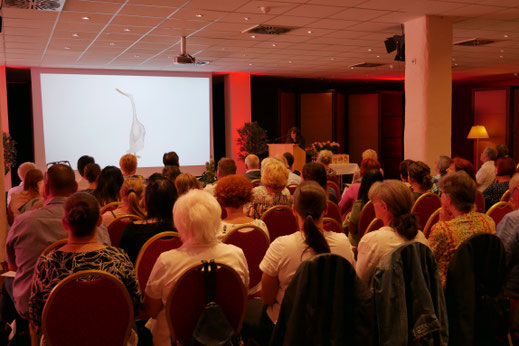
(260, 203)
(493, 193)
(446, 236)
(57, 265)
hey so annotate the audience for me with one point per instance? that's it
(290, 161)
(26, 199)
(442, 165)
(170, 159)
(226, 166)
(91, 174)
(82, 162)
(82, 252)
(233, 193)
(487, 173)
(185, 182)
(316, 172)
(22, 170)
(403, 168)
(131, 197)
(160, 197)
(171, 173)
(325, 158)
(252, 166)
(108, 185)
(419, 177)
(505, 168)
(458, 220)
(392, 201)
(292, 178)
(366, 154)
(459, 164)
(197, 218)
(350, 195)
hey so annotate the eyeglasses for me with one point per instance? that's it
(64, 162)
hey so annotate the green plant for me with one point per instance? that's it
(209, 176)
(9, 152)
(252, 140)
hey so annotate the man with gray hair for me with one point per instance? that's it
(252, 164)
(487, 173)
(22, 170)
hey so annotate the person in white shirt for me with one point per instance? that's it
(22, 170)
(487, 173)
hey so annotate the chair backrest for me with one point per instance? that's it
(255, 182)
(499, 210)
(254, 242)
(150, 251)
(480, 202)
(424, 206)
(375, 224)
(116, 227)
(110, 206)
(433, 219)
(505, 197)
(280, 221)
(330, 224)
(292, 188)
(56, 244)
(367, 214)
(333, 211)
(89, 307)
(187, 299)
(333, 178)
(335, 188)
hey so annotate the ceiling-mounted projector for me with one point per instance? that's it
(184, 58)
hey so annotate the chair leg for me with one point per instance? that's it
(35, 335)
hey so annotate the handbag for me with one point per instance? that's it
(212, 328)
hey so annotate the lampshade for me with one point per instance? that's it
(478, 131)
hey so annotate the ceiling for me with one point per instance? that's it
(331, 35)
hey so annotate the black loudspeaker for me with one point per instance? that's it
(1, 22)
(397, 43)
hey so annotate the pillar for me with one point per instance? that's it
(4, 125)
(428, 89)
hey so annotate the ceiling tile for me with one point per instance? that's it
(313, 11)
(358, 14)
(91, 6)
(273, 7)
(219, 5)
(150, 11)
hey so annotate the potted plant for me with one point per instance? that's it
(252, 140)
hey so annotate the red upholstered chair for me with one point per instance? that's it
(109, 207)
(333, 178)
(116, 227)
(334, 212)
(149, 253)
(499, 210)
(433, 219)
(56, 244)
(480, 202)
(256, 182)
(292, 188)
(506, 196)
(187, 299)
(424, 206)
(280, 221)
(95, 311)
(330, 224)
(335, 188)
(254, 242)
(375, 224)
(367, 214)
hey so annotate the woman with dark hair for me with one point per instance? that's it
(392, 201)
(369, 178)
(82, 252)
(286, 253)
(294, 136)
(108, 185)
(32, 193)
(505, 169)
(419, 175)
(91, 174)
(159, 199)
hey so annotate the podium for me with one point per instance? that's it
(294, 149)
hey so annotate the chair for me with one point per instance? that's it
(89, 307)
(499, 210)
(292, 188)
(56, 244)
(367, 214)
(187, 299)
(333, 211)
(330, 224)
(506, 196)
(480, 202)
(149, 253)
(280, 221)
(256, 182)
(109, 207)
(116, 227)
(254, 242)
(333, 178)
(433, 219)
(424, 206)
(375, 224)
(335, 188)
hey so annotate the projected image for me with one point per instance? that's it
(109, 115)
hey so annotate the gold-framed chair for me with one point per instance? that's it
(375, 224)
(116, 227)
(433, 219)
(109, 207)
(333, 211)
(424, 206)
(498, 211)
(505, 197)
(280, 221)
(55, 245)
(367, 214)
(332, 225)
(292, 188)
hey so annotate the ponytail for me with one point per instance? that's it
(406, 225)
(134, 204)
(314, 238)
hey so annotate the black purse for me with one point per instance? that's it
(212, 328)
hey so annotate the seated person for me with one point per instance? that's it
(290, 161)
(392, 201)
(185, 182)
(274, 178)
(487, 173)
(404, 175)
(109, 185)
(82, 162)
(441, 167)
(292, 178)
(170, 159)
(458, 220)
(31, 194)
(159, 200)
(325, 158)
(459, 164)
(82, 252)
(197, 218)
(131, 197)
(91, 174)
(171, 172)
(22, 171)
(252, 166)
(128, 164)
(366, 154)
(505, 168)
(350, 195)
(316, 172)
(233, 192)
(226, 166)
(419, 178)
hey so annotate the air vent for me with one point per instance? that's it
(264, 29)
(474, 42)
(40, 5)
(367, 64)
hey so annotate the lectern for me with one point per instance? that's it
(294, 149)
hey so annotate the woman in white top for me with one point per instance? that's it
(233, 192)
(392, 201)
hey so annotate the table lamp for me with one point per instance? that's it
(477, 132)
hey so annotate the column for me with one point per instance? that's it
(4, 123)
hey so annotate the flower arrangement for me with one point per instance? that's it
(332, 146)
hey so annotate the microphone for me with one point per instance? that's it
(279, 138)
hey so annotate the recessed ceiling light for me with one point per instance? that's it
(67, 48)
(332, 58)
(505, 35)
(246, 18)
(127, 29)
(502, 50)
(351, 68)
(250, 64)
(453, 59)
(75, 35)
(253, 36)
(112, 44)
(85, 18)
(309, 31)
(378, 56)
(456, 64)
(289, 61)
(391, 66)
(501, 56)
(136, 56)
(199, 15)
(273, 44)
(369, 49)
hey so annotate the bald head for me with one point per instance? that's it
(60, 181)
